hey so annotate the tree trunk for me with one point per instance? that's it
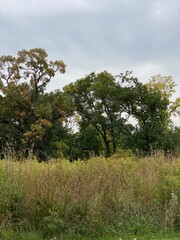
(108, 150)
(114, 146)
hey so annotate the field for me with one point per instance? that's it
(96, 199)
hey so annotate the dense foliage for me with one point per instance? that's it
(111, 113)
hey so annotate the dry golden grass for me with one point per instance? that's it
(95, 196)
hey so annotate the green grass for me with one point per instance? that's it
(11, 235)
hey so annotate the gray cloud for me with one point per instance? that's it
(96, 35)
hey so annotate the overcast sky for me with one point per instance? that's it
(95, 35)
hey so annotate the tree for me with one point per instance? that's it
(166, 85)
(104, 104)
(9, 71)
(153, 119)
(51, 126)
(85, 143)
(25, 116)
(15, 113)
(37, 69)
(112, 105)
(171, 141)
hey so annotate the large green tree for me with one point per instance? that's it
(151, 113)
(103, 103)
(125, 112)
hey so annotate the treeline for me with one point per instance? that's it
(98, 114)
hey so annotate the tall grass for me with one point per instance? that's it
(94, 198)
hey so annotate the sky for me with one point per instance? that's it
(142, 36)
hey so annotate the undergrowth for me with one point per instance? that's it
(98, 197)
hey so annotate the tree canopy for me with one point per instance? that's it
(107, 103)
(112, 113)
(27, 113)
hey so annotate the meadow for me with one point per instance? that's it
(114, 198)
